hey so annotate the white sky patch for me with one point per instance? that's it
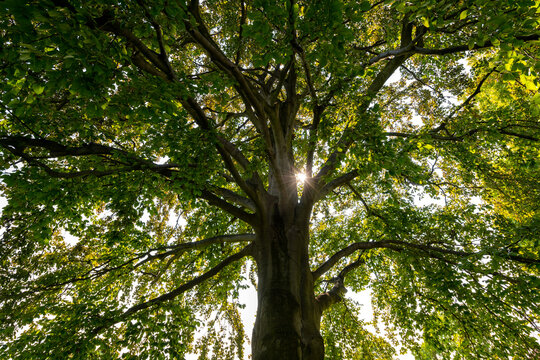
(396, 76)
(162, 160)
(176, 220)
(69, 239)
(146, 216)
(416, 120)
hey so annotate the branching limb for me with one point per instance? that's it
(312, 142)
(159, 34)
(158, 65)
(337, 182)
(368, 208)
(462, 48)
(243, 16)
(143, 57)
(407, 50)
(347, 138)
(333, 296)
(201, 36)
(18, 145)
(237, 155)
(463, 136)
(347, 251)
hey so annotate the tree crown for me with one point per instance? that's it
(160, 133)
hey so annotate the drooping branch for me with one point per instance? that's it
(148, 256)
(183, 247)
(18, 145)
(369, 209)
(108, 322)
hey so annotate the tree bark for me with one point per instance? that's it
(287, 325)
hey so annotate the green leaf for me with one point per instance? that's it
(463, 15)
(38, 89)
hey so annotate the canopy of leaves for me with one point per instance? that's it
(131, 132)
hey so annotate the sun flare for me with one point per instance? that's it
(301, 177)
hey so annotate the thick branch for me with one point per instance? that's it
(202, 37)
(331, 297)
(347, 138)
(335, 294)
(341, 148)
(231, 209)
(233, 197)
(18, 144)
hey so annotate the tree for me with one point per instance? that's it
(185, 144)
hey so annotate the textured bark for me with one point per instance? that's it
(288, 315)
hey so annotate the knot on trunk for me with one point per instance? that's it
(334, 295)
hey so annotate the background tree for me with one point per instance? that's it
(168, 137)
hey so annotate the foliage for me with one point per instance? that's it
(137, 139)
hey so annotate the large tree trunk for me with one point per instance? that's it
(288, 315)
